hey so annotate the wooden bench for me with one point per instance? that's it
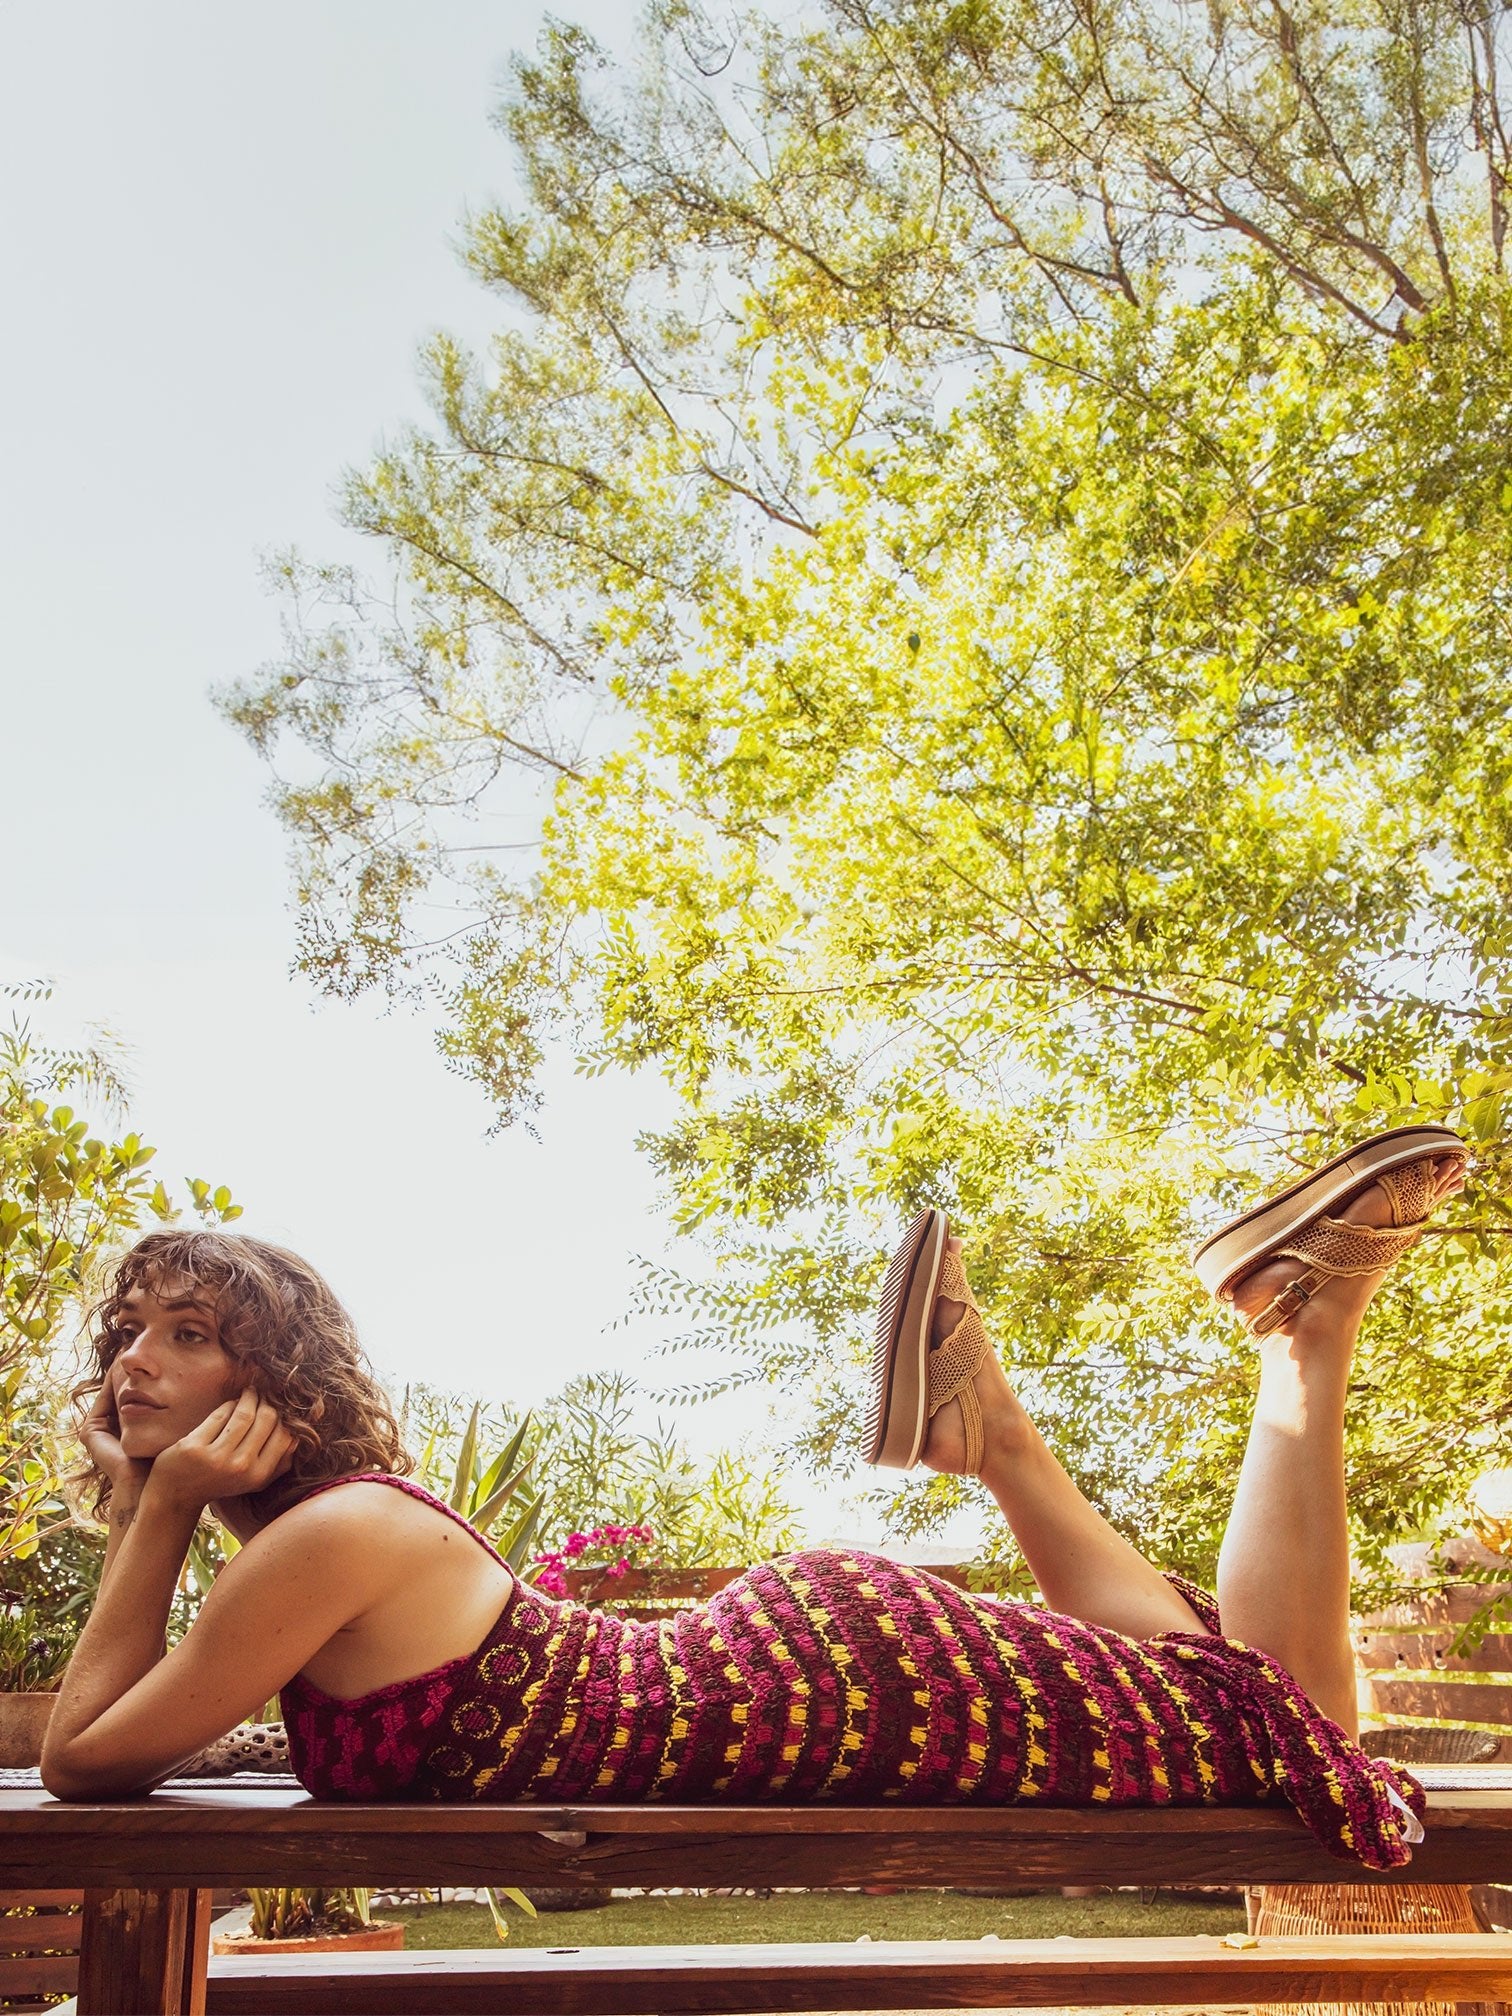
(147, 1867)
(928, 1974)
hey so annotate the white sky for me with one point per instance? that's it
(225, 233)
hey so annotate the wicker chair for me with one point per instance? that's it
(1301, 1908)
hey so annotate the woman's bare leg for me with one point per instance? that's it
(1283, 1572)
(1082, 1566)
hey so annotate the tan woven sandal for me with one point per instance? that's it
(911, 1382)
(1293, 1224)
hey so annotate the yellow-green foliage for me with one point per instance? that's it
(989, 540)
(68, 1198)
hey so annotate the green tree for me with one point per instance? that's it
(964, 619)
(68, 1199)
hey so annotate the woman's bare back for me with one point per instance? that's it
(441, 1598)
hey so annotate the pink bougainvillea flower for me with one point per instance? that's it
(552, 1565)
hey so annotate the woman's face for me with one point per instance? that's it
(171, 1369)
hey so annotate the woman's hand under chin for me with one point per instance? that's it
(238, 1448)
(100, 1432)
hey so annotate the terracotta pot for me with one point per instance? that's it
(384, 1935)
(23, 1724)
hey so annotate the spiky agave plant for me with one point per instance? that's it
(490, 1494)
(301, 1913)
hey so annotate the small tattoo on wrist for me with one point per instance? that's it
(125, 1515)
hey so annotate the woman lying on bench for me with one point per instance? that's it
(412, 1664)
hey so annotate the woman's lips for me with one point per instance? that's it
(152, 1406)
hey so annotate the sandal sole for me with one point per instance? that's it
(896, 1418)
(1244, 1243)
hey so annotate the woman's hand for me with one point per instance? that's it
(100, 1432)
(237, 1449)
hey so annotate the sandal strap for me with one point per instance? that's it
(1286, 1302)
(953, 1284)
(1337, 1247)
(1409, 1191)
(1332, 1247)
(952, 1367)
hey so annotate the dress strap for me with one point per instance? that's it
(412, 1490)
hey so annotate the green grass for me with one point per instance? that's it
(818, 1915)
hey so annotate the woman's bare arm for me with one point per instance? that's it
(127, 1714)
(100, 1433)
(284, 1595)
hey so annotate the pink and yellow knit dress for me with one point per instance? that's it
(838, 1675)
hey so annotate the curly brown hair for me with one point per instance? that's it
(292, 1338)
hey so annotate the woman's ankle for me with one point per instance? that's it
(1012, 1438)
(1317, 1328)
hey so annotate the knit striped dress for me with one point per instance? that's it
(836, 1675)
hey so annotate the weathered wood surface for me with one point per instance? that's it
(143, 1951)
(649, 1589)
(937, 1974)
(247, 1835)
(1385, 1652)
(57, 1932)
(41, 1900)
(39, 1943)
(1442, 1701)
(21, 1978)
(1437, 1607)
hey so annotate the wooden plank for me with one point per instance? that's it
(650, 1586)
(1423, 1651)
(41, 1900)
(195, 1952)
(50, 1931)
(935, 1974)
(1434, 1610)
(142, 1952)
(1415, 1743)
(39, 1974)
(1420, 1560)
(1443, 1701)
(239, 1835)
(646, 1584)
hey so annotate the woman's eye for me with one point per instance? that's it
(191, 1336)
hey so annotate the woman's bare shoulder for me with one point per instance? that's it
(358, 1507)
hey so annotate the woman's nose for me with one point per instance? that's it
(138, 1355)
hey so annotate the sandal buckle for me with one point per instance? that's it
(1285, 1302)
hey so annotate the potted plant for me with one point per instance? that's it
(32, 1659)
(312, 1921)
(333, 1921)
(596, 1558)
